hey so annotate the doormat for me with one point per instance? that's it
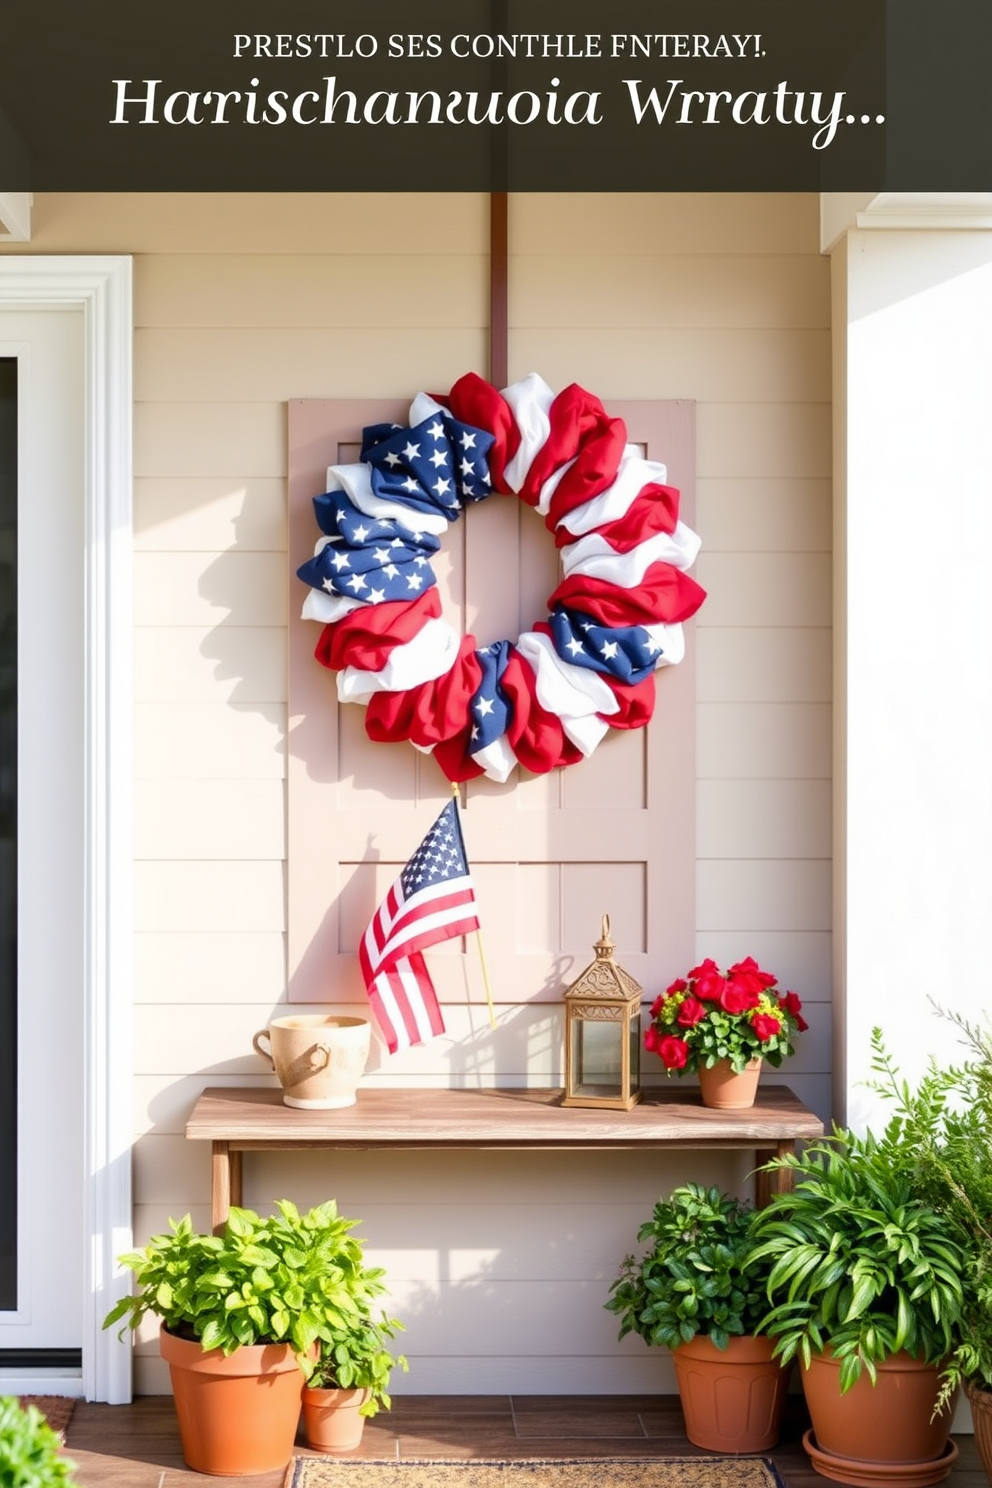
(586, 1472)
(56, 1409)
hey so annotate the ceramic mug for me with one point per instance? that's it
(318, 1060)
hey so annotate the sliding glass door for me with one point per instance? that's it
(42, 455)
(8, 833)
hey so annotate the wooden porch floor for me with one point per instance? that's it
(137, 1445)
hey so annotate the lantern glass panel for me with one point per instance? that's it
(596, 1058)
(634, 1032)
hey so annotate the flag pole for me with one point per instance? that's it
(456, 792)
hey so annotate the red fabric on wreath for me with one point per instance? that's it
(432, 711)
(654, 509)
(665, 594)
(477, 402)
(454, 759)
(365, 636)
(536, 736)
(583, 432)
(636, 701)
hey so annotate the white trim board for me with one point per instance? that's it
(101, 288)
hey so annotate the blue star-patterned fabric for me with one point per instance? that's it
(439, 466)
(489, 709)
(367, 559)
(440, 857)
(628, 653)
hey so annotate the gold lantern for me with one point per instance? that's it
(603, 1033)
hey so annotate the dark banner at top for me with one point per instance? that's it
(519, 95)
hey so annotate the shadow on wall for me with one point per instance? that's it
(248, 646)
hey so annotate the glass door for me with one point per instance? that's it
(8, 833)
(42, 454)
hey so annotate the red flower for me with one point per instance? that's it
(765, 1026)
(792, 1004)
(674, 1052)
(656, 1006)
(748, 975)
(690, 1013)
(651, 1038)
(679, 985)
(708, 983)
(735, 999)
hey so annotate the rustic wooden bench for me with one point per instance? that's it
(236, 1121)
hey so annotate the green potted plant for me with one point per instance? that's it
(30, 1451)
(350, 1379)
(946, 1122)
(256, 1304)
(865, 1289)
(721, 1026)
(699, 1290)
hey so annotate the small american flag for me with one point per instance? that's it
(432, 900)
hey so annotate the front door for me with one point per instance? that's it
(42, 463)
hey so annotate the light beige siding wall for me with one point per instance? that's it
(500, 1264)
(726, 300)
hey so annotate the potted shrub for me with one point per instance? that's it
(350, 1379)
(699, 1290)
(243, 1317)
(946, 1121)
(721, 1026)
(30, 1451)
(866, 1291)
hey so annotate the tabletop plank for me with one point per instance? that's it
(496, 1118)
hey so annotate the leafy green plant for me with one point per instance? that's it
(358, 1357)
(292, 1277)
(698, 1275)
(943, 1127)
(860, 1263)
(30, 1451)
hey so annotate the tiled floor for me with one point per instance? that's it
(137, 1445)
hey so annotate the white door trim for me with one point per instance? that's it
(101, 288)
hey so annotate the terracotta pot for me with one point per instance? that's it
(331, 1420)
(868, 1474)
(888, 1422)
(724, 1090)
(237, 1413)
(732, 1398)
(981, 1415)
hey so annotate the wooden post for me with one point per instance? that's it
(499, 331)
(498, 235)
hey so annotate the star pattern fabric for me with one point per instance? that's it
(629, 653)
(440, 858)
(489, 708)
(365, 558)
(440, 466)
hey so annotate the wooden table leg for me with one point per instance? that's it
(779, 1181)
(225, 1184)
(234, 1165)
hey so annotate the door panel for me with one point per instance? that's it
(550, 854)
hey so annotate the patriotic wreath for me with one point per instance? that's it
(548, 698)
